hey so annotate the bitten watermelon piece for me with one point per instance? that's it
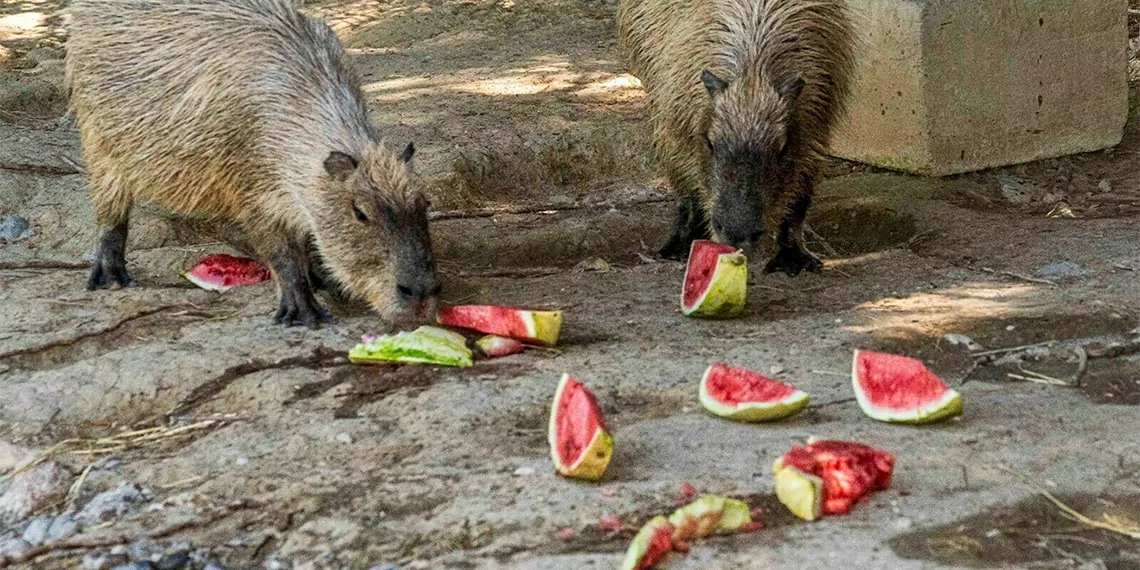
(498, 346)
(427, 344)
(828, 477)
(222, 272)
(651, 544)
(527, 325)
(716, 281)
(893, 388)
(580, 444)
(742, 395)
(707, 515)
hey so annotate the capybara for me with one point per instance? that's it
(744, 95)
(244, 111)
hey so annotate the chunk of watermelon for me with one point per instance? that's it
(651, 544)
(499, 346)
(707, 515)
(527, 325)
(580, 444)
(222, 272)
(742, 395)
(828, 477)
(893, 388)
(427, 344)
(716, 281)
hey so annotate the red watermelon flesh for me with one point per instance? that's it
(702, 263)
(849, 470)
(580, 444)
(897, 388)
(733, 385)
(222, 272)
(534, 326)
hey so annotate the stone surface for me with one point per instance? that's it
(946, 87)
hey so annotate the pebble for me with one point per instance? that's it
(1104, 186)
(173, 561)
(1059, 269)
(344, 437)
(31, 490)
(110, 505)
(903, 523)
(386, 566)
(62, 527)
(524, 472)
(37, 531)
(15, 228)
(241, 461)
(13, 547)
(1016, 190)
(135, 566)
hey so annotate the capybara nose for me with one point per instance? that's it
(738, 236)
(413, 293)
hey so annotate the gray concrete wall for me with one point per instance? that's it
(947, 86)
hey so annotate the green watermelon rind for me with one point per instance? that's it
(753, 412)
(948, 406)
(640, 543)
(726, 294)
(425, 345)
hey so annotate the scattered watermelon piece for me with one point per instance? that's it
(716, 281)
(828, 477)
(498, 346)
(705, 516)
(609, 523)
(651, 544)
(892, 388)
(686, 493)
(580, 445)
(742, 395)
(427, 344)
(222, 272)
(537, 327)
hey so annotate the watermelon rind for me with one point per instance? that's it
(707, 515)
(207, 285)
(725, 295)
(947, 406)
(801, 493)
(656, 531)
(756, 412)
(427, 344)
(240, 279)
(595, 457)
(543, 326)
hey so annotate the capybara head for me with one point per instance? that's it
(372, 231)
(750, 145)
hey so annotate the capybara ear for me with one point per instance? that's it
(713, 83)
(340, 166)
(791, 88)
(409, 152)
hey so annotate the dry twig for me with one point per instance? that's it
(1109, 523)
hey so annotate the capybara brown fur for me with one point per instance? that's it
(744, 96)
(244, 111)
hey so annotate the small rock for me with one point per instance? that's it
(524, 472)
(1095, 564)
(776, 370)
(993, 533)
(593, 264)
(37, 530)
(1104, 186)
(344, 437)
(62, 527)
(241, 461)
(143, 565)
(1061, 269)
(12, 455)
(962, 340)
(903, 523)
(38, 487)
(1016, 190)
(386, 566)
(15, 228)
(110, 505)
(175, 561)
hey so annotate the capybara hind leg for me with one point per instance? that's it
(690, 224)
(110, 265)
(793, 256)
(297, 305)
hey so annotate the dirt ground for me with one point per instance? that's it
(314, 463)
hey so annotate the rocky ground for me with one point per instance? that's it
(177, 428)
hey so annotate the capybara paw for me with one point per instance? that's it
(105, 274)
(301, 309)
(793, 260)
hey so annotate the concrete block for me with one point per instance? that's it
(951, 86)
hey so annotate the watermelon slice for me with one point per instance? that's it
(715, 281)
(892, 388)
(828, 477)
(222, 272)
(651, 544)
(497, 346)
(742, 395)
(426, 344)
(538, 327)
(580, 445)
(705, 516)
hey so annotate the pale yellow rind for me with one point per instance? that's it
(708, 514)
(595, 458)
(725, 296)
(801, 492)
(948, 406)
(543, 326)
(753, 411)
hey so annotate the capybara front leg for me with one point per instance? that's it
(110, 265)
(793, 257)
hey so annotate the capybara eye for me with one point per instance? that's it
(360, 217)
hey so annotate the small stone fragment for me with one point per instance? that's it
(33, 489)
(14, 228)
(62, 527)
(110, 505)
(37, 530)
